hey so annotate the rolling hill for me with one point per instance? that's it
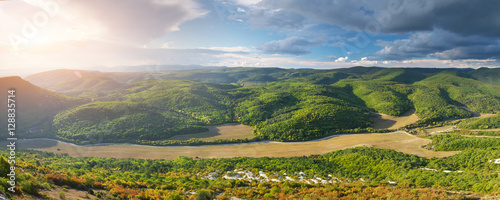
(282, 104)
(35, 107)
(122, 122)
(85, 83)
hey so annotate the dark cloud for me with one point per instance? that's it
(275, 19)
(463, 17)
(444, 29)
(491, 51)
(292, 45)
(437, 43)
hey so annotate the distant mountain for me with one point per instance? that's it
(86, 83)
(486, 75)
(78, 86)
(154, 68)
(50, 78)
(35, 107)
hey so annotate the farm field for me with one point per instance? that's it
(399, 141)
(382, 121)
(491, 129)
(224, 131)
(441, 129)
(449, 128)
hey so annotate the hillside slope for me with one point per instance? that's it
(282, 104)
(85, 83)
(35, 107)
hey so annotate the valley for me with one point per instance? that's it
(398, 141)
(382, 121)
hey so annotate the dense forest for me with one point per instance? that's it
(282, 104)
(484, 123)
(360, 172)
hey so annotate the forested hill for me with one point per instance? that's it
(283, 104)
(35, 107)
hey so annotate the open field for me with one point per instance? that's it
(224, 131)
(382, 121)
(490, 129)
(399, 141)
(476, 115)
(443, 129)
(440, 129)
(484, 115)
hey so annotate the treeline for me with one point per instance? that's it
(484, 123)
(451, 142)
(476, 133)
(196, 142)
(185, 177)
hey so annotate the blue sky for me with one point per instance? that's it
(50, 34)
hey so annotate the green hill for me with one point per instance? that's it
(35, 107)
(207, 102)
(282, 104)
(484, 123)
(297, 111)
(85, 83)
(444, 96)
(122, 122)
(486, 75)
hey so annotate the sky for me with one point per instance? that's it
(91, 34)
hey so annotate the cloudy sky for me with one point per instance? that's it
(49, 34)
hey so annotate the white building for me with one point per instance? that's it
(496, 161)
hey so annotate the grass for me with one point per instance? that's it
(398, 141)
(55, 193)
(224, 131)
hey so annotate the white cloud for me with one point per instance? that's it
(434, 63)
(122, 21)
(247, 2)
(364, 62)
(342, 59)
(229, 49)
(165, 45)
